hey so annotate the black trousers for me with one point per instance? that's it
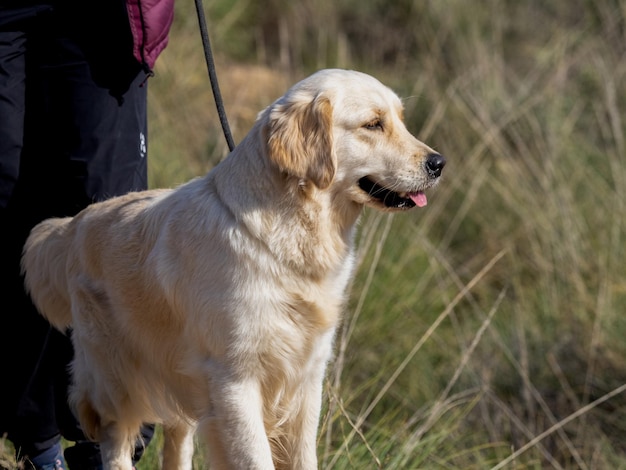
(73, 130)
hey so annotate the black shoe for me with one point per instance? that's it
(84, 455)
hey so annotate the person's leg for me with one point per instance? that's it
(39, 412)
(26, 410)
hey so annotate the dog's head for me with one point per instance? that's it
(343, 131)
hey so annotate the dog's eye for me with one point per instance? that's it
(375, 125)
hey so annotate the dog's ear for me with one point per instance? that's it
(300, 142)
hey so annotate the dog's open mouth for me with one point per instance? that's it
(397, 200)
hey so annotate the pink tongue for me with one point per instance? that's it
(419, 198)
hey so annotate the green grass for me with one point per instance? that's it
(487, 329)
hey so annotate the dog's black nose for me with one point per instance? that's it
(434, 164)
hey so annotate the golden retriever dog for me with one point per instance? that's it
(211, 308)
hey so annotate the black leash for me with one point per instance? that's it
(208, 55)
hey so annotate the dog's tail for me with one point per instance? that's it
(44, 265)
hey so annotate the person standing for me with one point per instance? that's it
(73, 131)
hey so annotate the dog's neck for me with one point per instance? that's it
(283, 211)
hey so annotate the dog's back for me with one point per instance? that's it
(53, 257)
(44, 266)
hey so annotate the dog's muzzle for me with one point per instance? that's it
(405, 200)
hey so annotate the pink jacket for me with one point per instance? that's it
(150, 22)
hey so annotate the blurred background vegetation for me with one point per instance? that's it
(487, 329)
(482, 328)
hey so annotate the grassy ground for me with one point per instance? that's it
(485, 330)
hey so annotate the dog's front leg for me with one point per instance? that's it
(235, 432)
(302, 430)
